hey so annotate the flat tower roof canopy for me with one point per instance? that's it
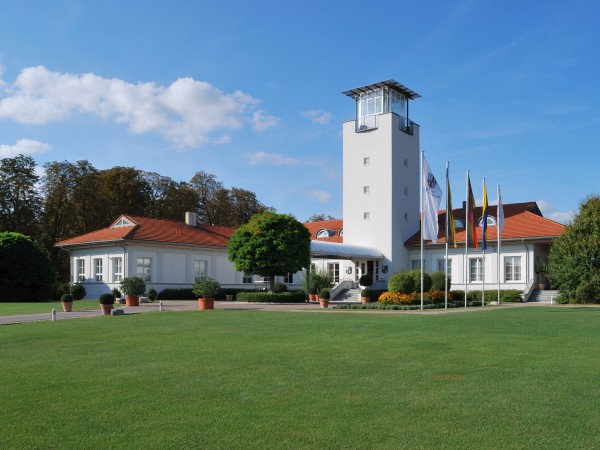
(393, 84)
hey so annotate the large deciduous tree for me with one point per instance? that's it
(270, 244)
(26, 273)
(20, 202)
(574, 260)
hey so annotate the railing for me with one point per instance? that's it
(366, 123)
(406, 125)
(527, 292)
(340, 286)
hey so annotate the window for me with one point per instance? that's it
(334, 270)
(144, 268)
(406, 216)
(200, 269)
(98, 269)
(80, 276)
(415, 263)
(405, 191)
(366, 215)
(288, 278)
(366, 161)
(405, 162)
(491, 221)
(366, 189)
(370, 103)
(376, 270)
(441, 265)
(512, 268)
(247, 278)
(117, 269)
(475, 270)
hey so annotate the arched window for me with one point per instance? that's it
(458, 223)
(325, 233)
(491, 221)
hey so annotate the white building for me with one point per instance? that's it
(379, 234)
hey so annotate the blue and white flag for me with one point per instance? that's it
(432, 195)
(500, 214)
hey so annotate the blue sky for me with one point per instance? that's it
(251, 91)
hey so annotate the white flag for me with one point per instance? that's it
(432, 195)
(500, 213)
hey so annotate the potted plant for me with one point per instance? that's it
(206, 290)
(312, 294)
(67, 302)
(365, 295)
(324, 296)
(541, 270)
(133, 288)
(152, 294)
(229, 295)
(106, 303)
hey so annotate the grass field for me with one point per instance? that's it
(12, 308)
(513, 378)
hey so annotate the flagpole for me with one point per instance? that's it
(483, 227)
(446, 262)
(498, 229)
(466, 238)
(422, 230)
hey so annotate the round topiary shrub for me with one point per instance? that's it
(107, 299)
(438, 281)
(78, 291)
(324, 294)
(416, 276)
(26, 273)
(402, 283)
(66, 298)
(116, 293)
(365, 280)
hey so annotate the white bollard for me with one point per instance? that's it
(53, 314)
(551, 300)
(160, 306)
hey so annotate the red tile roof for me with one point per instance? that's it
(521, 221)
(334, 227)
(156, 230)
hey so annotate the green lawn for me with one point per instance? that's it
(12, 308)
(513, 378)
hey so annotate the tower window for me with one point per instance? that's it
(405, 162)
(366, 161)
(366, 215)
(405, 216)
(366, 189)
(405, 191)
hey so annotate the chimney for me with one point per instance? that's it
(191, 219)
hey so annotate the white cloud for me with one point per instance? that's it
(261, 121)
(317, 116)
(320, 196)
(187, 113)
(273, 158)
(551, 213)
(24, 147)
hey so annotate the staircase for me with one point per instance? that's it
(348, 296)
(539, 296)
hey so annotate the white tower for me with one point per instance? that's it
(381, 175)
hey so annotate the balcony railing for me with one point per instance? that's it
(406, 125)
(366, 123)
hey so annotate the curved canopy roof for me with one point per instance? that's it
(324, 249)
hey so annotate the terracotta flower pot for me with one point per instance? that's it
(106, 309)
(312, 297)
(364, 300)
(206, 303)
(132, 300)
(324, 303)
(67, 306)
(229, 297)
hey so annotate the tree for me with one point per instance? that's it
(206, 186)
(20, 203)
(574, 260)
(26, 273)
(320, 218)
(270, 244)
(124, 191)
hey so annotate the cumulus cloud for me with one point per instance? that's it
(317, 116)
(187, 112)
(320, 196)
(24, 147)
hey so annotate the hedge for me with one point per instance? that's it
(267, 297)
